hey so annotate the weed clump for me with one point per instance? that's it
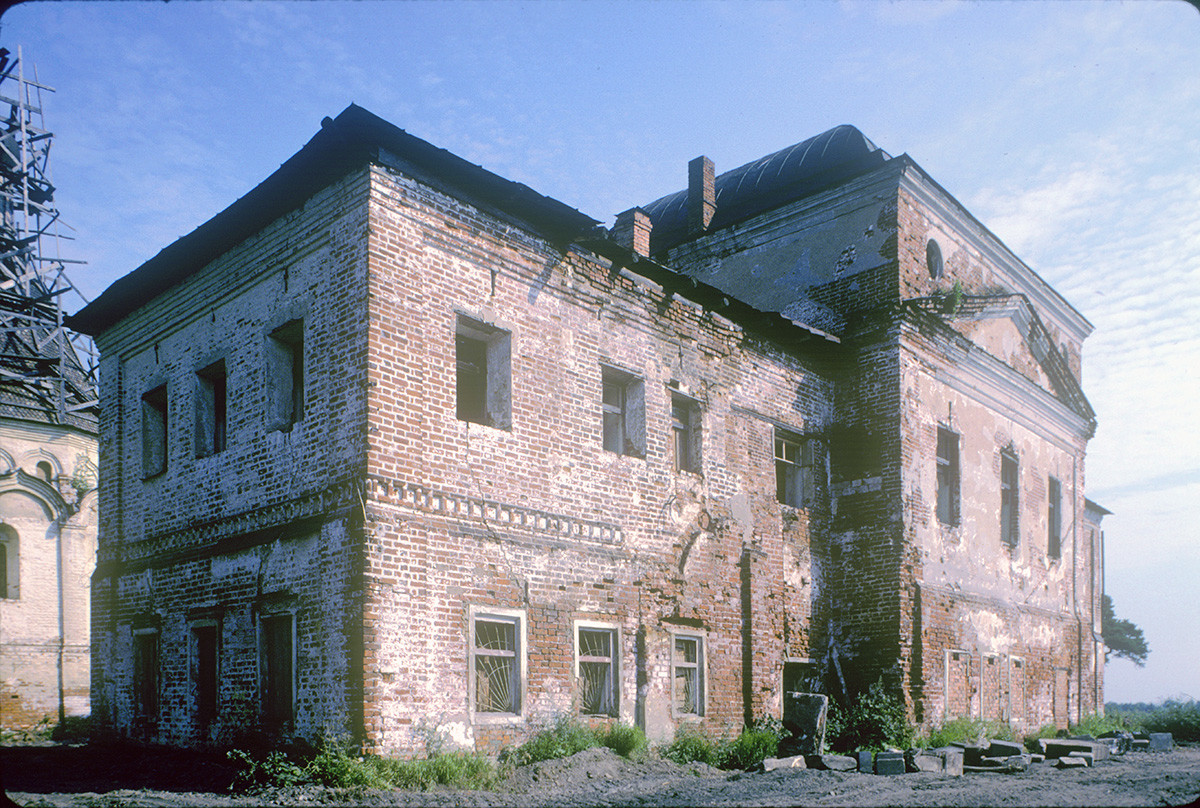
(874, 720)
(626, 740)
(564, 739)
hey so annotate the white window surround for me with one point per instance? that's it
(615, 630)
(701, 637)
(501, 615)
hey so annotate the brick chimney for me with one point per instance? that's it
(701, 196)
(632, 231)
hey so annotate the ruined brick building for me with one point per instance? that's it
(397, 448)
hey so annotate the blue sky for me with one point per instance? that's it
(1072, 130)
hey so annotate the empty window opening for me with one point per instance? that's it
(210, 409)
(1054, 519)
(285, 374)
(145, 675)
(597, 671)
(154, 431)
(206, 672)
(45, 471)
(10, 577)
(947, 477)
(278, 671)
(624, 413)
(484, 385)
(1008, 499)
(687, 662)
(933, 259)
(497, 669)
(793, 471)
(685, 433)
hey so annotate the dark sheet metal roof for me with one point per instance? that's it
(344, 143)
(827, 159)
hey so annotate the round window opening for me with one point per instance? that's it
(933, 259)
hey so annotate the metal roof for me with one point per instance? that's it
(827, 159)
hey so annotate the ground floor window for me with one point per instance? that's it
(145, 674)
(278, 670)
(496, 651)
(597, 649)
(687, 674)
(205, 671)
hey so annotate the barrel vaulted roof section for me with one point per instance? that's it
(344, 143)
(827, 159)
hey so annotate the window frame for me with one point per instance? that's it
(286, 374)
(155, 426)
(613, 685)
(701, 673)
(629, 414)
(795, 479)
(493, 405)
(147, 695)
(206, 704)
(1053, 518)
(1010, 499)
(272, 717)
(517, 684)
(10, 550)
(212, 409)
(948, 505)
(686, 434)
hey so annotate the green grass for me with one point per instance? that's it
(964, 730)
(567, 737)
(746, 751)
(874, 720)
(624, 739)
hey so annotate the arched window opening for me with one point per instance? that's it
(45, 470)
(10, 579)
(933, 259)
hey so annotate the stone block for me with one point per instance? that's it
(865, 761)
(1139, 745)
(834, 763)
(1060, 747)
(889, 763)
(1003, 749)
(1086, 757)
(1070, 762)
(944, 760)
(804, 717)
(1161, 742)
(972, 753)
(793, 762)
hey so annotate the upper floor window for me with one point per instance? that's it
(1009, 495)
(210, 409)
(45, 470)
(685, 433)
(482, 356)
(623, 407)
(933, 260)
(154, 431)
(285, 374)
(10, 563)
(947, 477)
(794, 479)
(1054, 518)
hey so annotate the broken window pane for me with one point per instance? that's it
(947, 477)
(154, 431)
(685, 431)
(1008, 499)
(623, 411)
(597, 665)
(497, 683)
(793, 471)
(688, 693)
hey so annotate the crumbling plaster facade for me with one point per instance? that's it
(389, 558)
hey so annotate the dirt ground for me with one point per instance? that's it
(60, 775)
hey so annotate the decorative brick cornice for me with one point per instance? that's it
(497, 516)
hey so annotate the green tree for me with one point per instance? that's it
(1123, 638)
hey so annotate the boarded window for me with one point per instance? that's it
(1054, 519)
(1009, 493)
(947, 477)
(958, 684)
(991, 703)
(497, 665)
(1016, 690)
(206, 672)
(483, 374)
(285, 374)
(210, 409)
(597, 671)
(154, 431)
(685, 433)
(145, 675)
(794, 478)
(623, 409)
(10, 563)
(687, 663)
(278, 677)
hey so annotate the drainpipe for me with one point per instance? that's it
(62, 630)
(1075, 590)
